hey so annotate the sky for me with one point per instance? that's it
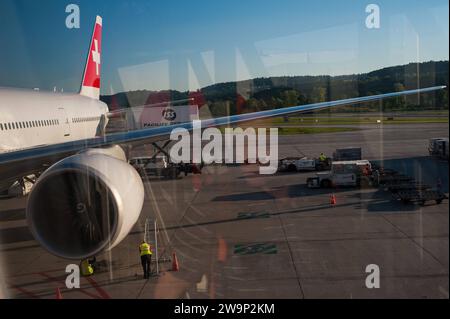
(186, 45)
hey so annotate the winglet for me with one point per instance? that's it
(90, 86)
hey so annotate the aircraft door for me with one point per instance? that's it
(64, 122)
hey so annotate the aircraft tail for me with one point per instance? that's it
(90, 86)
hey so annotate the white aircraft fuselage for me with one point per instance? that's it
(31, 118)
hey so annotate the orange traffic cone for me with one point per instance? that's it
(58, 294)
(333, 200)
(175, 265)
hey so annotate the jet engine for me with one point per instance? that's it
(85, 204)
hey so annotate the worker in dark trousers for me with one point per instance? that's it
(145, 251)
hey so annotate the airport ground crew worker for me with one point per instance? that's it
(367, 171)
(146, 258)
(86, 268)
(322, 157)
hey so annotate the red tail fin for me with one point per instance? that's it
(90, 86)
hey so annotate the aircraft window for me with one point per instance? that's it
(1, 126)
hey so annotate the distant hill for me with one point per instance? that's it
(274, 92)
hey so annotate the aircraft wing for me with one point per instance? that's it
(58, 151)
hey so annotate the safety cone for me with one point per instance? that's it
(333, 200)
(58, 294)
(175, 265)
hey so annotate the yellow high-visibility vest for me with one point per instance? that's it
(86, 268)
(145, 249)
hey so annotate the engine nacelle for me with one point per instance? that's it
(85, 204)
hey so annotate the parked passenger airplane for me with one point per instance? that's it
(90, 199)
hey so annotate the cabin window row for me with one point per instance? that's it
(85, 119)
(27, 124)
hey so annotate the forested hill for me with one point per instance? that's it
(267, 93)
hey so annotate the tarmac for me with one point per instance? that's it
(238, 234)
